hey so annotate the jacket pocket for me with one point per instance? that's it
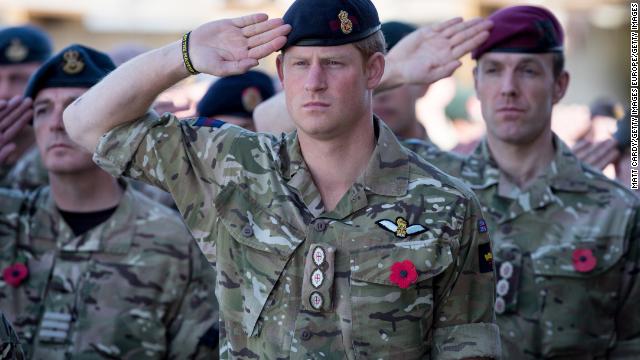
(579, 286)
(252, 255)
(389, 316)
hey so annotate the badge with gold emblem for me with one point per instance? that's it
(16, 51)
(72, 62)
(401, 227)
(345, 24)
(251, 98)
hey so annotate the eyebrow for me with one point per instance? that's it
(41, 102)
(67, 100)
(524, 60)
(529, 60)
(323, 57)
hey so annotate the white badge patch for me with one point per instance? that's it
(317, 278)
(506, 270)
(316, 300)
(502, 288)
(318, 256)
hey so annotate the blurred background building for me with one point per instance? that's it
(597, 38)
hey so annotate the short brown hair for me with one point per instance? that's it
(372, 44)
(558, 64)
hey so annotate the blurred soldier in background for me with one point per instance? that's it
(91, 267)
(622, 139)
(597, 147)
(397, 107)
(232, 99)
(22, 50)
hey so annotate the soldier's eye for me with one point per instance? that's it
(530, 71)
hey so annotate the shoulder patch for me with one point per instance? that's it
(485, 258)
(208, 122)
(482, 226)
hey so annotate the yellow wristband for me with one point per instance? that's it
(185, 55)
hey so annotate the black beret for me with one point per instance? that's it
(523, 29)
(74, 66)
(236, 95)
(330, 22)
(623, 133)
(394, 31)
(23, 44)
(606, 107)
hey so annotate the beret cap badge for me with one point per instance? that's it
(16, 52)
(345, 24)
(72, 62)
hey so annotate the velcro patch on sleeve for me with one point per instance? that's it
(208, 122)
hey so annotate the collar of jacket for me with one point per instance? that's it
(564, 173)
(387, 172)
(115, 235)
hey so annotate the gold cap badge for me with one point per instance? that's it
(345, 24)
(251, 98)
(16, 52)
(72, 62)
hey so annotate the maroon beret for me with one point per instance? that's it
(522, 29)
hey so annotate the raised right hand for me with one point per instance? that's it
(15, 114)
(432, 53)
(233, 46)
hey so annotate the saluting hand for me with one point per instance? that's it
(233, 46)
(15, 114)
(432, 53)
(598, 154)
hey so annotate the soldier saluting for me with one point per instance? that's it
(306, 266)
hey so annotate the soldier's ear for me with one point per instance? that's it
(475, 78)
(560, 85)
(374, 68)
(280, 67)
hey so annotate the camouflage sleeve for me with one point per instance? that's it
(11, 203)
(627, 345)
(28, 173)
(5, 182)
(186, 158)
(450, 163)
(194, 332)
(10, 348)
(464, 317)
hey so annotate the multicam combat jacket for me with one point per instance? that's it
(134, 287)
(296, 281)
(567, 256)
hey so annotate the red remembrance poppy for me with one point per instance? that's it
(403, 274)
(15, 274)
(583, 260)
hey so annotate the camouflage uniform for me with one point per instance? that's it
(551, 303)
(134, 287)
(10, 348)
(252, 196)
(27, 174)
